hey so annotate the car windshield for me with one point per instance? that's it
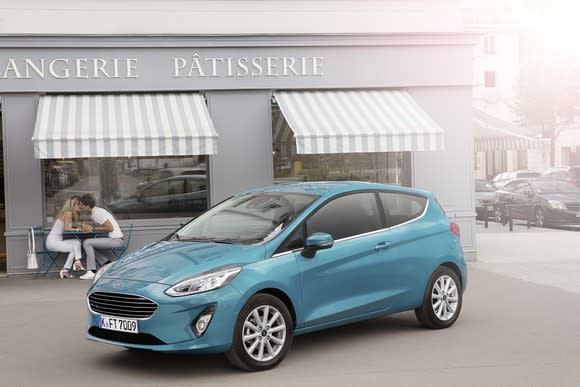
(554, 186)
(528, 174)
(483, 186)
(247, 219)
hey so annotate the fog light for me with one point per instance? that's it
(202, 321)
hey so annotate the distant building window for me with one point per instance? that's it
(489, 45)
(489, 79)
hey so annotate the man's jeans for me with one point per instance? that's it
(93, 248)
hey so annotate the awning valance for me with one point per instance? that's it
(494, 134)
(123, 125)
(356, 121)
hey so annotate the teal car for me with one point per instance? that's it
(250, 273)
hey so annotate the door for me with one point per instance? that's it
(523, 201)
(349, 279)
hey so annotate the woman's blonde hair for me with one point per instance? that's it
(70, 205)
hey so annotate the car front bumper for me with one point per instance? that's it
(169, 329)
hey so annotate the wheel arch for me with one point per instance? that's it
(456, 270)
(282, 296)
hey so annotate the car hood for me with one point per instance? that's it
(171, 262)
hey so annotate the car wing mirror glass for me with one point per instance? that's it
(315, 242)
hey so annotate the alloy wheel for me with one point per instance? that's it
(540, 218)
(444, 298)
(497, 214)
(264, 333)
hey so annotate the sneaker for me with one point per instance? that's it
(89, 275)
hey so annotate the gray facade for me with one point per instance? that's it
(238, 76)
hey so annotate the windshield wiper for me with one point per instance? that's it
(196, 239)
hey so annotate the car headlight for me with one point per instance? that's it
(101, 271)
(557, 205)
(204, 282)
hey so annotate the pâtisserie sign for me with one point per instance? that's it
(195, 66)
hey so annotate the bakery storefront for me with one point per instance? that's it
(160, 128)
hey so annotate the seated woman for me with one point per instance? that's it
(68, 215)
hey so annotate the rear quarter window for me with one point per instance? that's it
(400, 208)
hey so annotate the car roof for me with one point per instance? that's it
(326, 189)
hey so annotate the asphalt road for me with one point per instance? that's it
(511, 332)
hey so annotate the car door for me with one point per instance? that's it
(347, 279)
(523, 201)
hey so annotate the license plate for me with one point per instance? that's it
(578, 214)
(118, 324)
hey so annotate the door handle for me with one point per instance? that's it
(382, 245)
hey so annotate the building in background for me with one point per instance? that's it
(501, 141)
(527, 77)
(160, 117)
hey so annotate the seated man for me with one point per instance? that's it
(104, 221)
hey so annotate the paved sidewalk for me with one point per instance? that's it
(538, 255)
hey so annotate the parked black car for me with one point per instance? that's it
(542, 201)
(484, 197)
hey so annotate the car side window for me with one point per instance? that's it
(524, 189)
(175, 187)
(194, 186)
(509, 187)
(400, 208)
(346, 216)
(161, 189)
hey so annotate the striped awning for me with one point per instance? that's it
(123, 125)
(356, 121)
(493, 134)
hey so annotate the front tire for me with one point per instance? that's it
(539, 217)
(442, 300)
(262, 335)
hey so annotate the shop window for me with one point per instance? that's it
(489, 44)
(489, 79)
(383, 167)
(131, 188)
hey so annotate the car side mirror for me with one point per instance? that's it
(315, 242)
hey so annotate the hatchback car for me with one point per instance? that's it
(542, 201)
(187, 194)
(483, 198)
(500, 179)
(570, 173)
(250, 273)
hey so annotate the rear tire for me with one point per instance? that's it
(498, 215)
(262, 335)
(442, 300)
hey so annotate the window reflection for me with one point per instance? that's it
(131, 188)
(391, 167)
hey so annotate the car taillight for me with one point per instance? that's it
(454, 228)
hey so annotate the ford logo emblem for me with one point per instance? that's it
(119, 284)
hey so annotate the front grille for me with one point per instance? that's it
(122, 305)
(123, 337)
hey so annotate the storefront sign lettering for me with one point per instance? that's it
(196, 66)
(270, 66)
(65, 68)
